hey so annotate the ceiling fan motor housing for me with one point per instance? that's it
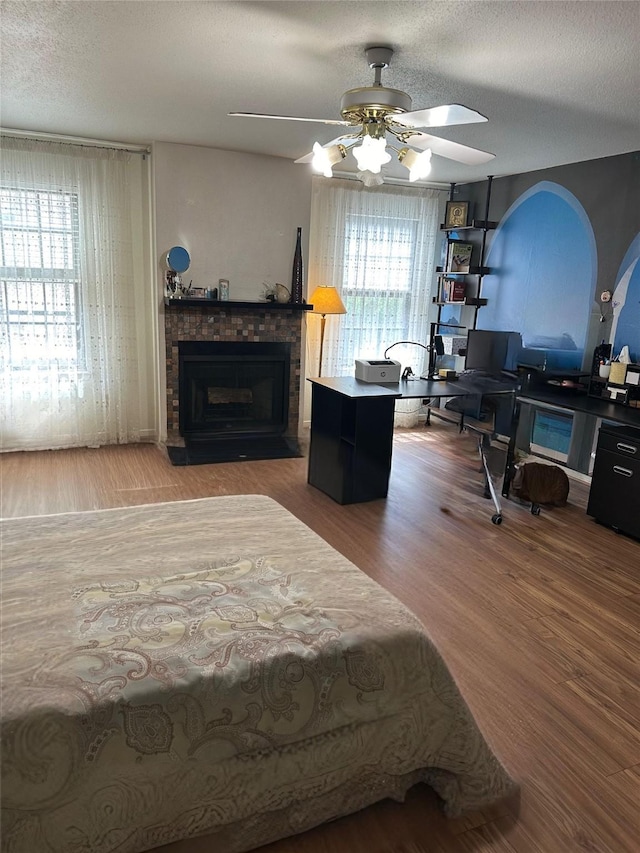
(373, 102)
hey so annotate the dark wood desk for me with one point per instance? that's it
(352, 432)
(614, 494)
(561, 400)
(351, 438)
(575, 401)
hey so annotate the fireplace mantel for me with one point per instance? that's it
(233, 305)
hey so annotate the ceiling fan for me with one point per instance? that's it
(377, 117)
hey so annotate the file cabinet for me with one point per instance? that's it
(614, 498)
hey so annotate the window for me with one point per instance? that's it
(76, 353)
(378, 272)
(377, 248)
(40, 278)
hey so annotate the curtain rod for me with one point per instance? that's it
(76, 140)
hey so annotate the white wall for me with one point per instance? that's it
(237, 215)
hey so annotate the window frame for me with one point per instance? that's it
(45, 279)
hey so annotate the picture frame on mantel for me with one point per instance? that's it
(456, 214)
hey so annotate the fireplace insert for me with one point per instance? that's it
(233, 401)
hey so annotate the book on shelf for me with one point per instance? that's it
(452, 290)
(459, 256)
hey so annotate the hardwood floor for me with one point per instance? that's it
(537, 618)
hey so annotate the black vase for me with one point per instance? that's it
(296, 274)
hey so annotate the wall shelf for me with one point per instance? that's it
(234, 305)
(476, 224)
(474, 270)
(475, 301)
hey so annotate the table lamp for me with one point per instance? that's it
(326, 300)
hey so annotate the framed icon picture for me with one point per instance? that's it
(456, 214)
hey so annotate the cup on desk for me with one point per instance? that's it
(604, 370)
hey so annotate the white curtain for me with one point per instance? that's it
(377, 248)
(76, 353)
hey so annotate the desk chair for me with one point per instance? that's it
(486, 411)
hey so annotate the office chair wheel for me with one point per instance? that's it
(496, 518)
(535, 509)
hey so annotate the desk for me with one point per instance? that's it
(352, 432)
(571, 402)
(615, 485)
(580, 402)
(351, 438)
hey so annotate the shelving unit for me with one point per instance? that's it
(472, 278)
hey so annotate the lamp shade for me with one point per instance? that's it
(326, 300)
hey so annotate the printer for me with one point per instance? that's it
(379, 370)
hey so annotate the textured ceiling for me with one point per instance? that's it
(559, 81)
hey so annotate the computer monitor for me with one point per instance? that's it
(492, 352)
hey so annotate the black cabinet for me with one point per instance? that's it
(351, 439)
(614, 498)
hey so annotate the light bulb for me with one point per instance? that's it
(418, 164)
(325, 158)
(371, 155)
(370, 180)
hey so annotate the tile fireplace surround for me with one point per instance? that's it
(242, 322)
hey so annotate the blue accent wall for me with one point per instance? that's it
(626, 303)
(544, 270)
(564, 235)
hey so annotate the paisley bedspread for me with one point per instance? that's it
(212, 666)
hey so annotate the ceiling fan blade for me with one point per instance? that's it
(443, 116)
(293, 118)
(451, 150)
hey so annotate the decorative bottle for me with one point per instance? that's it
(296, 274)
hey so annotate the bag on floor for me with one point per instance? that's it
(546, 485)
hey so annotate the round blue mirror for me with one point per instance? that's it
(178, 259)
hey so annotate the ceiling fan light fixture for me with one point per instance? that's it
(372, 112)
(417, 162)
(369, 179)
(325, 158)
(371, 155)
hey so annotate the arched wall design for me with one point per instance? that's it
(544, 261)
(625, 328)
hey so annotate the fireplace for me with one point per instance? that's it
(234, 401)
(233, 390)
(233, 380)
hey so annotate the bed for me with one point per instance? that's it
(213, 667)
